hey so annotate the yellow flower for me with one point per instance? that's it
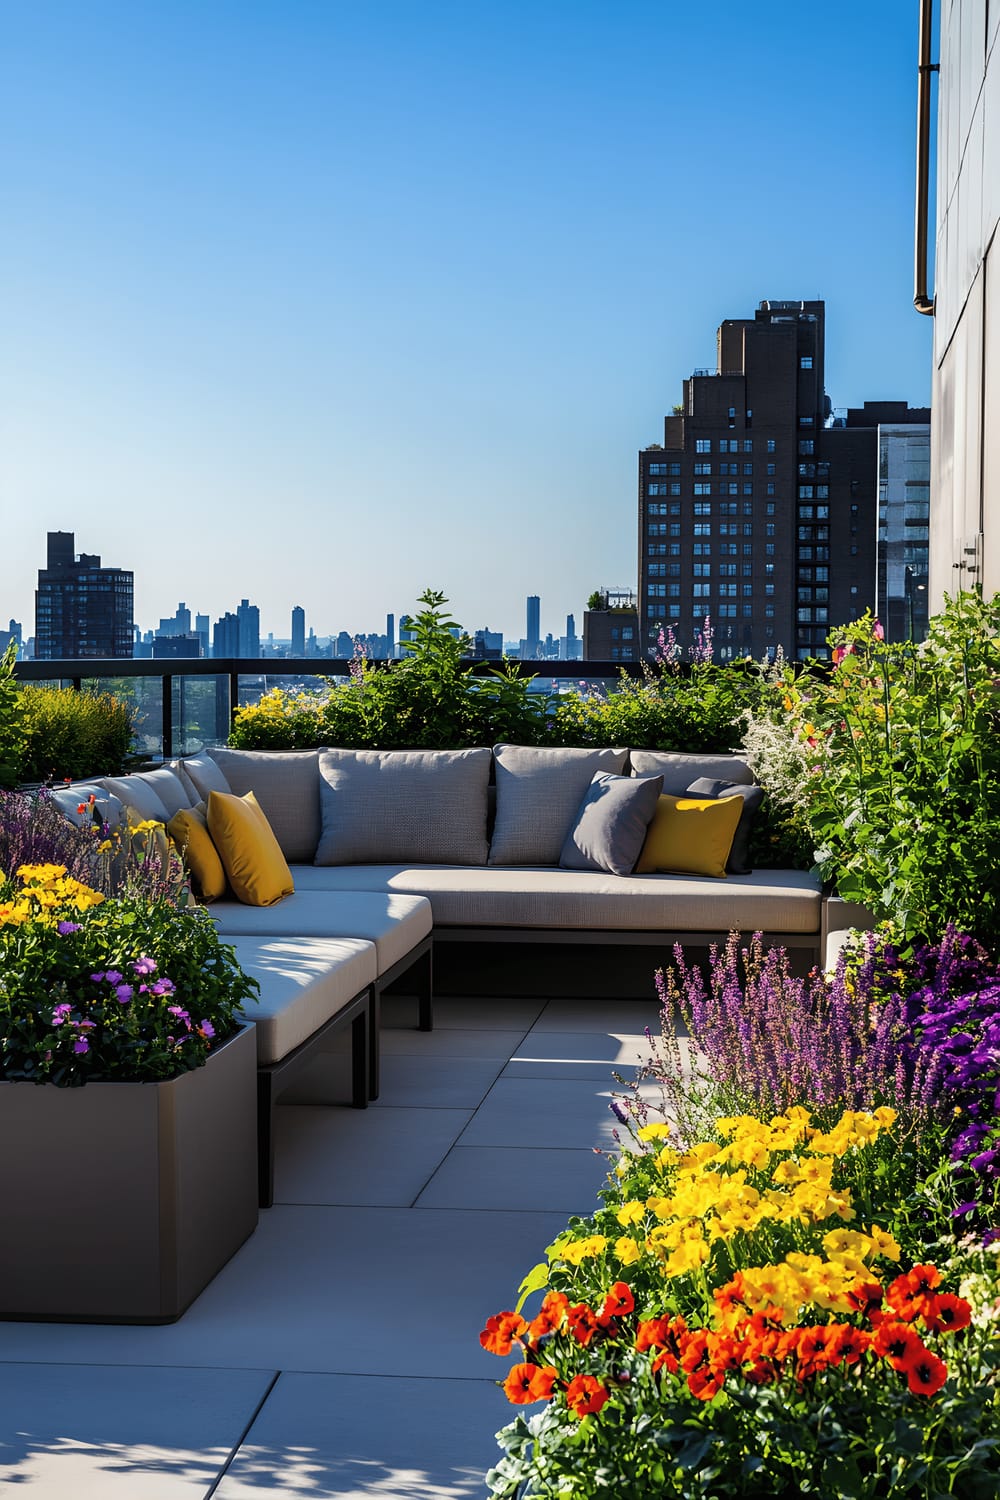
(627, 1250)
(580, 1250)
(883, 1243)
(632, 1212)
(657, 1132)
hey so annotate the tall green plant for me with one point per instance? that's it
(12, 725)
(71, 734)
(891, 762)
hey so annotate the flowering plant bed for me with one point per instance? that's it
(773, 1301)
(718, 1329)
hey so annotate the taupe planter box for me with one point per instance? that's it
(121, 1201)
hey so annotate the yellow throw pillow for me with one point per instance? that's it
(250, 853)
(690, 836)
(189, 831)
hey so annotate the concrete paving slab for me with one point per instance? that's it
(499, 1178)
(373, 1156)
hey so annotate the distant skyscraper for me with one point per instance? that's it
(298, 631)
(248, 617)
(226, 636)
(533, 632)
(203, 626)
(81, 609)
(390, 635)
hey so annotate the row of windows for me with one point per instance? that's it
(811, 491)
(730, 445)
(724, 549)
(724, 612)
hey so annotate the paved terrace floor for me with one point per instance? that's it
(337, 1354)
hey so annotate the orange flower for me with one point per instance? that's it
(725, 1352)
(550, 1317)
(766, 1320)
(705, 1384)
(652, 1333)
(732, 1295)
(501, 1331)
(520, 1385)
(850, 1344)
(908, 1295)
(583, 1322)
(542, 1381)
(926, 1374)
(666, 1360)
(946, 1313)
(815, 1349)
(617, 1304)
(585, 1395)
(898, 1343)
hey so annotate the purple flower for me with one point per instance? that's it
(61, 1014)
(207, 1030)
(123, 992)
(81, 1045)
(113, 976)
(99, 978)
(65, 928)
(144, 965)
(162, 986)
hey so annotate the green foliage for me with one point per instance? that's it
(890, 764)
(71, 735)
(12, 726)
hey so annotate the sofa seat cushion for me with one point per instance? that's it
(303, 982)
(771, 900)
(394, 921)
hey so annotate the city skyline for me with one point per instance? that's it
(343, 354)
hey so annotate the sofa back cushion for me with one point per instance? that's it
(145, 798)
(286, 785)
(201, 775)
(679, 770)
(538, 794)
(389, 806)
(106, 807)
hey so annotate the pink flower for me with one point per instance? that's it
(877, 631)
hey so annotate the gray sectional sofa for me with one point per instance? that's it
(391, 850)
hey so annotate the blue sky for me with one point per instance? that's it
(325, 303)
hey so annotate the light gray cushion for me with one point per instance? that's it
(679, 770)
(69, 798)
(168, 786)
(394, 923)
(581, 900)
(204, 776)
(381, 805)
(610, 826)
(141, 800)
(538, 793)
(286, 785)
(303, 982)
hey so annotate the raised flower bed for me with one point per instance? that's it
(127, 1102)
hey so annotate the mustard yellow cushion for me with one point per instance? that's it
(189, 831)
(690, 836)
(251, 855)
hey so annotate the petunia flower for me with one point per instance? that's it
(65, 928)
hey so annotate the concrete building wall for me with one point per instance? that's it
(965, 430)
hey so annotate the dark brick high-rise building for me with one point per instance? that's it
(81, 608)
(755, 511)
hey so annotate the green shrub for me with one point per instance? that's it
(74, 734)
(889, 763)
(12, 727)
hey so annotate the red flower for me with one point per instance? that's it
(926, 1374)
(666, 1360)
(898, 1343)
(946, 1313)
(583, 1322)
(542, 1381)
(585, 1395)
(694, 1350)
(866, 1298)
(501, 1331)
(731, 1295)
(815, 1349)
(652, 1333)
(617, 1304)
(908, 1295)
(520, 1385)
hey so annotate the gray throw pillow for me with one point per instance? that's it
(738, 862)
(401, 806)
(611, 824)
(538, 793)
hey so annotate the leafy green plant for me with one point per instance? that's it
(889, 762)
(12, 716)
(92, 988)
(71, 735)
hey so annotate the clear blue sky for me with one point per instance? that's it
(324, 303)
